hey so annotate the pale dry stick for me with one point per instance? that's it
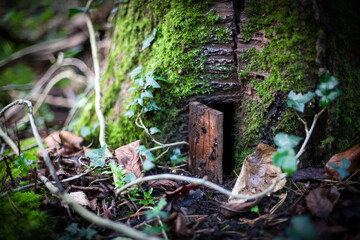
(168, 145)
(9, 142)
(141, 125)
(204, 182)
(99, 221)
(308, 132)
(62, 75)
(97, 87)
(37, 137)
(53, 182)
(162, 228)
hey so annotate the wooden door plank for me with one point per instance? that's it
(205, 141)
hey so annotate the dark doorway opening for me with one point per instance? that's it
(229, 110)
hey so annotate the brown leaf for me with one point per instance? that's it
(234, 208)
(321, 201)
(257, 174)
(128, 157)
(177, 223)
(168, 184)
(180, 192)
(352, 154)
(80, 198)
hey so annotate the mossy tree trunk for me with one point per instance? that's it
(240, 57)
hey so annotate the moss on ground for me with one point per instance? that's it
(287, 61)
(20, 218)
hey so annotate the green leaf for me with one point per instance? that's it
(130, 113)
(151, 107)
(147, 93)
(85, 131)
(154, 130)
(161, 79)
(98, 156)
(343, 168)
(139, 81)
(285, 158)
(129, 177)
(334, 94)
(325, 101)
(23, 164)
(301, 228)
(177, 151)
(147, 42)
(156, 211)
(255, 209)
(73, 11)
(148, 164)
(298, 101)
(150, 81)
(284, 140)
(135, 72)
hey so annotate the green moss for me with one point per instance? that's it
(21, 218)
(183, 29)
(287, 61)
(343, 58)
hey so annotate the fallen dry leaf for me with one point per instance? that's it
(234, 208)
(168, 184)
(61, 143)
(177, 224)
(180, 192)
(352, 154)
(321, 201)
(127, 156)
(80, 198)
(257, 174)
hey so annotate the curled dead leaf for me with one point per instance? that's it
(352, 154)
(80, 198)
(177, 223)
(165, 183)
(321, 201)
(234, 208)
(127, 156)
(257, 174)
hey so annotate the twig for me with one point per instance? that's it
(9, 142)
(37, 137)
(205, 183)
(162, 228)
(168, 145)
(99, 221)
(9, 172)
(24, 149)
(309, 132)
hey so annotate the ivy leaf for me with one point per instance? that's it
(135, 72)
(161, 79)
(23, 164)
(286, 141)
(150, 81)
(129, 177)
(130, 113)
(85, 131)
(156, 211)
(177, 151)
(334, 94)
(139, 81)
(148, 164)
(343, 168)
(147, 93)
(151, 107)
(73, 11)
(298, 101)
(147, 42)
(154, 130)
(98, 156)
(285, 158)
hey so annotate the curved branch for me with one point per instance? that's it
(204, 182)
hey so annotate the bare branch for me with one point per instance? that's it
(204, 182)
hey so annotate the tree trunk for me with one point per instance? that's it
(239, 57)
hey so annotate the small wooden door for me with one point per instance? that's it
(206, 142)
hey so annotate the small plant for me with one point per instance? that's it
(300, 228)
(156, 212)
(255, 209)
(285, 157)
(176, 157)
(75, 233)
(23, 164)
